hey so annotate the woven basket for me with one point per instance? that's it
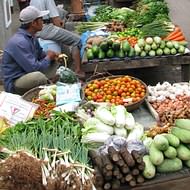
(129, 107)
(33, 93)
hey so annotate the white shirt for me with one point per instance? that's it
(43, 5)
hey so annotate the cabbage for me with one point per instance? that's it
(129, 121)
(154, 46)
(136, 133)
(152, 53)
(175, 44)
(173, 51)
(157, 39)
(162, 44)
(119, 113)
(81, 113)
(181, 49)
(143, 54)
(95, 125)
(137, 49)
(147, 47)
(103, 114)
(141, 43)
(122, 132)
(159, 51)
(149, 40)
(95, 139)
(166, 51)
(169, 44)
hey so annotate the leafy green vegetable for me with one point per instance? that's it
(151, 11)
(66, 75)
(61, 132)
(156, 28)
(106, 13)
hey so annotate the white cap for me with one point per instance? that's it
(31, 13)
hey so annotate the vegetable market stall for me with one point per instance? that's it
(42, 136)
(93, 137)
(136, 37)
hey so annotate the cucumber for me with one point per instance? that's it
(183, 123)
(156, 156)
(172, 139)
(170, 152)
(161, 142)
(149, 170)
(170, 165)
(183, 152)
(182, 134)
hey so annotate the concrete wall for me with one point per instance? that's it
(4, 33)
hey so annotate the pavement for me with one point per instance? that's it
(180, 15)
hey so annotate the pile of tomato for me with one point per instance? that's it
(119, 91)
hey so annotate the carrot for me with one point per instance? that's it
(176, 30)
(176, 35)
(180, 38)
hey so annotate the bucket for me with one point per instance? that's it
(49, 45)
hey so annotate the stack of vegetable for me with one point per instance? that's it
(117, 167)
(168, 152)
(45, 154)
(122, 47)
(158, 47)
(110, 48)
(148, 24)
(148, 11)
(176, 35)
(107, 120)
(124, 90)
(170, 101)
(106, 13)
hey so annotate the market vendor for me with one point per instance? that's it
(53, 29)
(24, 64)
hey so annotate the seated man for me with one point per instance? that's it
(24, 64)
(53, 30)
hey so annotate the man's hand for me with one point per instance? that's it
(57, 22)
(52, 55)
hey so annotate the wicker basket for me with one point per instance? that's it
(33, 93)
(129, 107)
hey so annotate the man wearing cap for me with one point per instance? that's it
(24, 64)
(53, 30)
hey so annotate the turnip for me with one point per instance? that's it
(149, 40)
(173, 51)
(169, 44)
(141, 42)
(157, 39)
(159, 51)
(154, 46)
(166, 51)
(152, 53)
